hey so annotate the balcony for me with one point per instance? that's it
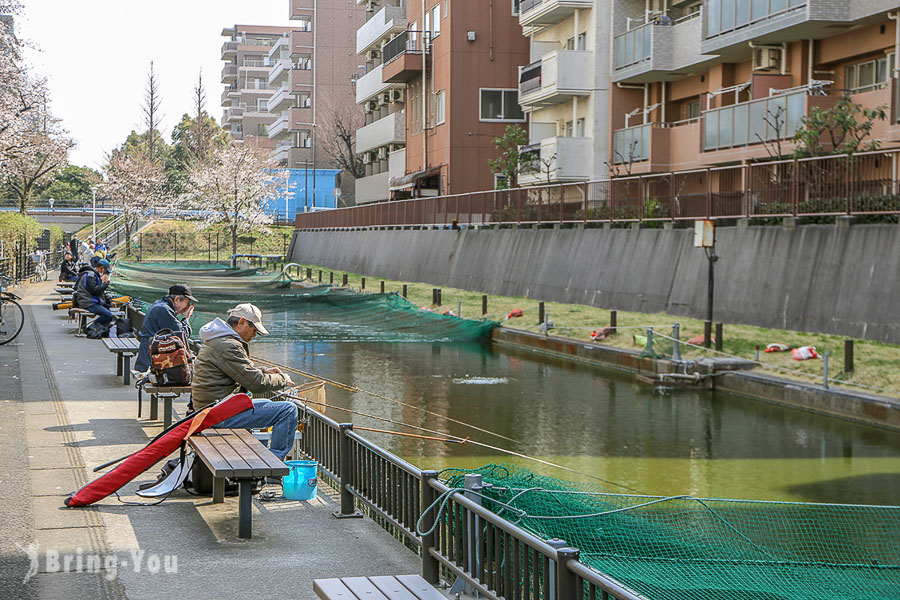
(402, 57)
(284, 42)
(280, 127)
(562, 159)
(370, 85)
(301, 43)
(767, 119)
(388, 130)
(229, 73)
(373, 188)
(235, 113)
(229, 50)
(300, 80)
(279, 71)
(386, 23)
(281, 99)
(653, 51)
(302, 8)
(557, 77)
(549, 12)
(229, 94)
(289, 121)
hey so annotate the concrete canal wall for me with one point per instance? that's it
(833, 279)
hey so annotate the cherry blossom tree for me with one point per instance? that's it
(234, 188)
(136, 185)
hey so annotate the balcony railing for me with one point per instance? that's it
(633, 46)
(631, 144)
(754, 122)
(723, 16)
(229, 72)
(403, 43)
(387, 20)
(530, 78)
(229, 48)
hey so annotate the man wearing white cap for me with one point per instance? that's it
(223, 367)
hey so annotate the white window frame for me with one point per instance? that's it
(436, 20)
(445, 8)
(440, 108)
(503, 106)
(515, 7)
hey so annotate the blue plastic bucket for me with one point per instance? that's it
(300, 483)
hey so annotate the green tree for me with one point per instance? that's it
(841, 129)
(510, 162)
(72, 183)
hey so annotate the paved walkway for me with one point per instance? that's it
(62, 411)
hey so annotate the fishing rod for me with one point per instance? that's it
(354, 389)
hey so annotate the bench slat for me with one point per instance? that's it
(239, 466)
(166, 389)
(393, 589)
(331, 589)
(246, 452)
(420, 588)
(208, 454)
(263, 453)
(363, 588)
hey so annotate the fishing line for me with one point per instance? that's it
(354, 389)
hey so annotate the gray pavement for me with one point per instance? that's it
(63, 410)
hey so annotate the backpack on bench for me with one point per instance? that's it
(170, 361)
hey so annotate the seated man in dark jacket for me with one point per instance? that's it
(68, 270)
(163, 314)
(90, 291)
(223, 367)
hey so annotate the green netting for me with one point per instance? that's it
(711, 549)
(296, 311)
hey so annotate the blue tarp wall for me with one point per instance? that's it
(309, 189)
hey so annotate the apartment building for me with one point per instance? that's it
(723, 82)
(246, 78)
(449, 75)
(564, 89)
(285, 83)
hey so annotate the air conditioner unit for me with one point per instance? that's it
(367, 158)
(382, 153)
(766, 59)
(395, 147)
(371, 105)
(371, 5)
(396, 95)
(372, 54)
(386, 98)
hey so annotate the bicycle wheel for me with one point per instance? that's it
(12, 317)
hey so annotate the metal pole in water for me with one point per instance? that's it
(676, 348)
(459, 308)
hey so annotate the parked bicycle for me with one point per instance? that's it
(12, 317)
(40, 265)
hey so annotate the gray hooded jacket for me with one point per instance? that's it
(223, 367)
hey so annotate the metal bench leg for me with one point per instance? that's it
(140, 401)
(167, 410)
(154, 407)
(118, 365)
(126, 362)
(245, 524)
(218, 491)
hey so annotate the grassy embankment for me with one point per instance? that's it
(877, 364)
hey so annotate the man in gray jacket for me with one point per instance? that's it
(223, 367)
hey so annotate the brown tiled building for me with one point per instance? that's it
(455, 67)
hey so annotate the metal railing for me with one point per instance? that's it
(402, 43)
(492, 555)
(530, 77)
(862, 184)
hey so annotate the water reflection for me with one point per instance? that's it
(601, 423)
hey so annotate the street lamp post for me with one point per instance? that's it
(94, 214)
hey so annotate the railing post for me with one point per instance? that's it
(565, 579)
(585, 196)
(430, 565)
(348, 507)
(708, 193)
(795, 191)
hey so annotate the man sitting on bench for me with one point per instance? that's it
(223, 367)
(163, 314)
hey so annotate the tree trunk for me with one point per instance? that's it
(233, 239)
(128, 229)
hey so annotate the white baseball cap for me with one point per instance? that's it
(252, 314)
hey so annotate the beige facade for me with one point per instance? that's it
(726, 82)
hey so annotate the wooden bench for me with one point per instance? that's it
(385, 587)
(124, 349)
(82, 314)
(167, 393)
(237, 455)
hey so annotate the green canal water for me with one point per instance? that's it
(596, 422)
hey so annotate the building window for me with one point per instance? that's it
(445, 9)
(579, 128)
(870, 74)
(500, 105)
(305, 101)
(438, 107)
(304, 62)
(436, 21)
(262, 130)
(515, 7)
(263, 105)
(303, 24)
(259, 83)
(305, 139)
(579, 44)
